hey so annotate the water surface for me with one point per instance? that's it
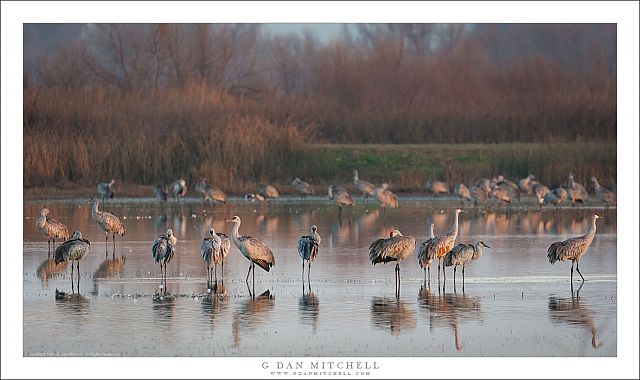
(514, 302)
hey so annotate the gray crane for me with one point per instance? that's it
(73, 249)
(253, 249)
(366, 188)
(386, 197)
(308, 249)
(510, 187)
(501, 194)
(438, 247)
(437, 187)
(540, 192)
(607, 196)
(462, 254)
(160, 193)
(341, 196)
(478, 195)
(105, 190)
(108, 223)
(462, 191)
(573, 249)
(51, 228)
(162, 251)
(556, 197)
(394, 248)
(484, 184)
(267, 191)
(210, 193)
(210, 250)
(576, 192)
(303, 188)
(423, 255)
(179, 189)
(526, 185)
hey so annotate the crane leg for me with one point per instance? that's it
(247, 279)
(573, 263)
(77, 270)
(49, 247)
(222, 270)
(463, 279)
(309, 274)
(215, 273)
(454, 276)
(106, 242)
(253, 276)
(303, 270)
(578, 269)
(114, 244)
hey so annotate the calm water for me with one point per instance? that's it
(514, 302)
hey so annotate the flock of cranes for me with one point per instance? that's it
(216, 246)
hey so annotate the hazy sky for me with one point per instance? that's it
(323, 31)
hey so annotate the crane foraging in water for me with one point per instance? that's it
(394, 248)
(462, 254)
(540, 192)
(73, 249)
(51, 228)
(253, 249)
(438, 247)
(423, 256)
(573, 249)
(365, 187)
(162, 251)
(179, 189)
(105, 189)
(556, 197)
(308, 249)
(108, 223)
(386, 197)
(341, 196)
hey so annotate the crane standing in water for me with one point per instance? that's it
(210, 250)
(105, 190)
(423, 256)
(302, 187)
(160, 193)
(73, 249)
(573, 249)
(179, 189)
(462, 254)
(607, 196)
(394, 248)
(341, 196)
(162, 251)
(366, 188)
(253, 249)
(438, 247)
(386, 197)
(108, 223)
(51, 228)
(308, 249)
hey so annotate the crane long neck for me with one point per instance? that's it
(432, 232)
(478, 252)
(592, 231)
(94, 208)
(316, 236)
(234, 233)
(454, 229)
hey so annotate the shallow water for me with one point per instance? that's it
(514, 302)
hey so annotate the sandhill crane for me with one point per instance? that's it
(423, 256)
(160, 193)
(107, 222)
(341, 196)
(478, 195)
(252, 197)
(576, 192)
(73, 249)
(366, 188)
(437, 187)
(210, 193)
(540, 192)
(526, 185)
(605, 195)
(210, 250)
(302, 187)
(162, 251)
(573, 249)
(253, 249)
(51, 228)
(462, 191)
(394, 248)
(484, 184)
(179, 189)
(462, 254)
(386, 197)
(267, 191)
(556, 197)
(308, 249)
(439, 246)
(508, 186)
(501, 194)
(105, 190)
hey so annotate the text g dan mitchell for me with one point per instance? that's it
(320, 365)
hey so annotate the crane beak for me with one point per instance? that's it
(486, 245)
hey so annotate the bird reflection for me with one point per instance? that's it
(215, 302)
(164, 307)
(73, 305)
(446, 309)
(110, 268)
(392, 312)
(573, 311)
(160, 224)
(251, 314)
(309, 307)
(49, 269)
